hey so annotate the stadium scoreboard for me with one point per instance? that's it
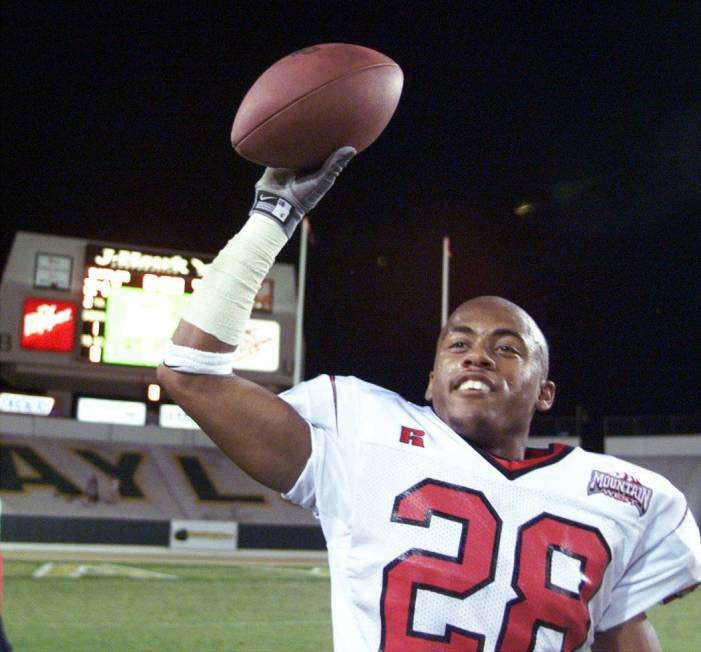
(79, 315)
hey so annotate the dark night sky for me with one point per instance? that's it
(116, 124)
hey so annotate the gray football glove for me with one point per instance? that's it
(286, 197)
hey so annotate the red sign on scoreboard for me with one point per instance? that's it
(48, 325)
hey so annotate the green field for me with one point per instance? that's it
(207, 608)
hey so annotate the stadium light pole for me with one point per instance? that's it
(445, 280)
(299, 317)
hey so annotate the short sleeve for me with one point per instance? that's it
(315, 402)
(666, 562)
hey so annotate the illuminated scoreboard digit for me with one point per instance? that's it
(132, 301)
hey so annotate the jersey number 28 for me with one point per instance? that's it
(538, 602)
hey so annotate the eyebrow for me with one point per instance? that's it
(499, 331)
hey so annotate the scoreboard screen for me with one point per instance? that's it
(132, 302)
(138, 324)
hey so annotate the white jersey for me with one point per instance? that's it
(435, 546)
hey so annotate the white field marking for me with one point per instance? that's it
(74, 570)
(317, 571)
(43, 569)
(201, 623)
(321, 571)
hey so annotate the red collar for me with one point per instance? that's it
(534, 457)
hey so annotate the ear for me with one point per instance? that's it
(429, 390)
(546, 397)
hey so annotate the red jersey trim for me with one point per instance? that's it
(536, 458)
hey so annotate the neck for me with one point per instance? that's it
(510, 445)
(490, 431)
(509, 448)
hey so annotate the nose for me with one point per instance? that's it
(478, 356)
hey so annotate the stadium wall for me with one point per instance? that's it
(162, 474)
(103, 531)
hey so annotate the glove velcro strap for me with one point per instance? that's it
(279, 209)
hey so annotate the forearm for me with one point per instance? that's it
(222, 304)
(187, 334)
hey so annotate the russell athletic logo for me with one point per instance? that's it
(621, 486)
(412, 436)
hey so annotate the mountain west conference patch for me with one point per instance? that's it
(620, 486)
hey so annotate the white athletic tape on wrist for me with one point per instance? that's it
(187, 360)
(223, 301)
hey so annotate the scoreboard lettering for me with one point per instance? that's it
(139, 261)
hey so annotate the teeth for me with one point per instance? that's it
(474, 384)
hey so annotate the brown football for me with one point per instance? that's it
(314, 101)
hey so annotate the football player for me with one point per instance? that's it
(444, 530)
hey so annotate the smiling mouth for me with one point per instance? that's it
(474, 387)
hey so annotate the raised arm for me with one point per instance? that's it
(258, 431)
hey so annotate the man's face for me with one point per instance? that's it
(490, 371)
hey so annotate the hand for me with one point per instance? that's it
(286, 197)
